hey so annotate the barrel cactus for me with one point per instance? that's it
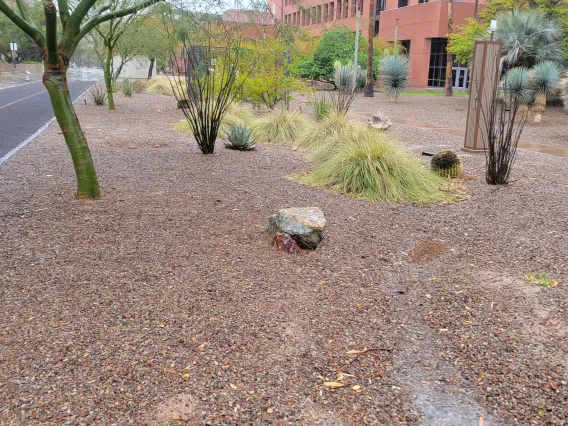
(240, 138)
(446, 164)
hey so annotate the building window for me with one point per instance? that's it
(339, 9)
(406, 45)
(331, 11)
(438, 59)
(402, 3)
(380, 6)
(422, 1)
(376, 28)
(346, 9)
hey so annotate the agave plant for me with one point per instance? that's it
(529, 37)
(240, 138)
(544, 79)
(394, 75)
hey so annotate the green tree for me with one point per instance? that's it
(56, 53)
(462, 39)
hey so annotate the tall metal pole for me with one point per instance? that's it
(395, 50)
(369, 92)
(356, 58)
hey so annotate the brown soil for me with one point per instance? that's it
(164, 302)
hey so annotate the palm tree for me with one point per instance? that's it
(529, 37)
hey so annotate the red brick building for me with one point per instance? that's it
(421, 27)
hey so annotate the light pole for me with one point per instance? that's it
(395, 35)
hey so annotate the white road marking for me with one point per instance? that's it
(35, 135)
(22, 99)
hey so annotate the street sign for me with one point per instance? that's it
(13, 47)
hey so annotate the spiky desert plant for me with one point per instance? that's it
(317, 135)
(237, 114)
(394, 75)
(529, 37)
(446, 164)
(321, 106)
(543, 78)
(369, 164)
(280, 126)
(504, 121)
(98, 94)
(240, 138)
(343, 77)
(127, 87)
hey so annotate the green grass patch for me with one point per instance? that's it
(540, 278)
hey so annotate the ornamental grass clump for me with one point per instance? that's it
(368, 164)
(240, 139)
(160, 86)
(317, 135)
(280, 126)
(446, 164)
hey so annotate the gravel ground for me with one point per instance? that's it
(163, 303)
(452, 113)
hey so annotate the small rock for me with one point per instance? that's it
(305, 225)
(380, 121)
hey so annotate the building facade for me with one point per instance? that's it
(421, 26)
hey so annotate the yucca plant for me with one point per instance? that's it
(446, 164)
(519, 88)
(98, 94)
(127, 87)
(368, 164)
(393, 71)
(240, 138)
(280, 126)
(565, 94)
(544, 79)
(343, 77)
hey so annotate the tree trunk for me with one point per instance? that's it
(475, 7)
(151, 70)
(539, 107)
(369, 92)
(448, 87)
(56, 83)
(108, 78)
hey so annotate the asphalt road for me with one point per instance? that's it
(24, 109)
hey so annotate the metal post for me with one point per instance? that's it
(356, 58)
(395, 51)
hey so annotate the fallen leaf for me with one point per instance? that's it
(235, 387)
(552, 384)
(270, 410)
(355, 352)
(321, 378)
(186, 376)
(333, 384)
(356, 387)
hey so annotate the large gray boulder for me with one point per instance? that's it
(380, 121)
(305, 225)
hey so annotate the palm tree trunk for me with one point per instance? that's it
(108, 78)
(55, 80)
(369, 93)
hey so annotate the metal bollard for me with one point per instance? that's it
(28, 75)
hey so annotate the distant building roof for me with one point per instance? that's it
(248, 16)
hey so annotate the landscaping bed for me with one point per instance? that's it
(165, 303)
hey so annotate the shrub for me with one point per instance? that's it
(321, 106)
(160, 86)
(446, 164)
(237, 114)
(127, 87)
(343, 77)
(317, 135)
(365, 163)
(542, 279)
(139, 86)
(98, 94)
(240, 138)
(544, 79)
(280, 126)
(394, 75)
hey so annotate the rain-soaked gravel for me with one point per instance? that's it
(163, 303)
